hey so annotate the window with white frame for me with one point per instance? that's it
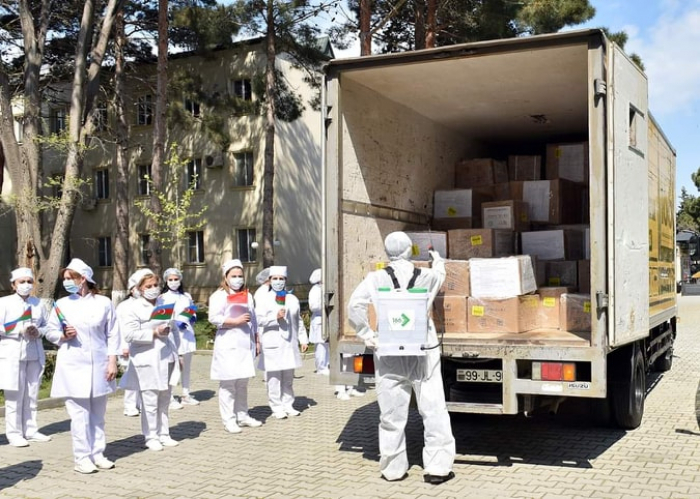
(195, 247)
(241, 89)
(243, 164)
(101, 117)
(144, 110)
(144, 251)
(104, 251)
(102, 184)
(246, 252)
(57, 120)
(193, 107)
(144, 183)
(194, 173)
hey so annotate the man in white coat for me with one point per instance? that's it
(21, 358)
(397, 375)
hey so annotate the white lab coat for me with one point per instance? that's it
(234, 347)
(181, 301)
(149, 357)
(316, 307)
(15, 347)
(280, 339)
(81, 362)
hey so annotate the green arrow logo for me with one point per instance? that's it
(405, 320)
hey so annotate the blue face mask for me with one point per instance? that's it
(70, 286)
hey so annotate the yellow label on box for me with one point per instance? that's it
(477, 240)
(379, 266)
(554, 281)
(477, 311)
(415, 250)
(557, 152)
(587, 307)
(523, 217)
(549, 301)
(451, 211)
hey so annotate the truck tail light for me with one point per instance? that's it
(554, 371)
(364, 364)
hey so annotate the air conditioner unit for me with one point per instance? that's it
(214, 160)
(88, 204)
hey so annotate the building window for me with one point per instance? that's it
(144, 241)
(144, 110)
(243, 175)
(104, 256)
(242, 89)
(246, 252)
(144, 183)
(192, 107)
(101, 117)
(102, 184)
(58, 120)
(194, 173)
(57, 185)
(195, 248)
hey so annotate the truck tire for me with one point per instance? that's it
(627, 387)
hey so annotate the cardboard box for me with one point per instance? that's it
(584, 276)
(502, 315)
(446, 224)
(457, 279)
(480, 172)
(464, 244)
(459, 203)
(509, 214)
(501, 277)
(550, 201)
(524, 167)
(450, 314)
(424, 241)
(575, 312)
(559, 244)
(561, 273)
(548, 311)
(568, 161)
(501, 192)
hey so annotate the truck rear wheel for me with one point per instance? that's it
(627, 387)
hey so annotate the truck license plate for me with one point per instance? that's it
(480, 375)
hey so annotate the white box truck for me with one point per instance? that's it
(396, 125)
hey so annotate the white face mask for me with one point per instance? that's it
(236, 283)
(278, 285)
(174, 285)
(71, 286)
(25, 288)
(151, 293)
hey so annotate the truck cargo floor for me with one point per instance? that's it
(549, 337)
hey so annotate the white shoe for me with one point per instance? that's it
(39, 437)
(154, 444)
(85, 466)
(232, 427)
(249, 422)
(292, 412)
(324, 372)
(103, 463)
(189, 400)
(342, 396)
(167, 441)
(279, 415)
(175, 405)
(18, 442)
(131, 412)
(354, 392)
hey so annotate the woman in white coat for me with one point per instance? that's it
(22, 323)
(321, 353)
(283, 331)
(153, 363)
(132, 402)
(231, 310)
(84, 327)
(184, 315)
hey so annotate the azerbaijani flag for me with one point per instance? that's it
(60, 315)
(281, 297)
(10, 326)
(189, 312)
(240, 297)
(162, 312)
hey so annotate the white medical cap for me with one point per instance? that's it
(263, 276)
(398, 246)
(171, 271)
(20, 273)
(278, 270)
(315, 276)
(136, 277)
(82, 268)
(231, 264)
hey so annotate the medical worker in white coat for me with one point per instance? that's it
(22, 324)
(283, 331)
(87, 334)
(185, 317)
(132, 402)
(321, 353)
(232, 311)
(153, 364)
(397, 375)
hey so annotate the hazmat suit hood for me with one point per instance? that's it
(398, 246)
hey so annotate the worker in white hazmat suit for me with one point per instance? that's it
(397, 375)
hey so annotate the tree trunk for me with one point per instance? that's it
(431, 15)
(121, 202)
(269, 161)
(159, 129)
(365, 31)
(419, 30)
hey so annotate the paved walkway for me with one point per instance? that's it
(330, 451)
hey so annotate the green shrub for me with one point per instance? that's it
(204, 331)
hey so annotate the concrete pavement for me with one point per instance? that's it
(330, 451)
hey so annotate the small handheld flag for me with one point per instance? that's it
(10, 326)
(280, 297)
(189, 312)
(241, 297)
(60, 315)
(162, 312)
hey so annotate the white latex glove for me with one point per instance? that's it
(434, 255)
(372, 341)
